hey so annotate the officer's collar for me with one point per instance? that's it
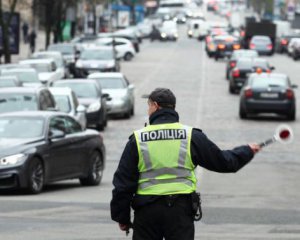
(164, 115)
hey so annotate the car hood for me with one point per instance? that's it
(32, 84)
(97, 63)
(10, 146)
(87, 101)
(115, 93)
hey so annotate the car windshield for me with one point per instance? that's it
(63, 103)
(58, 60)
(13, 127)
(111, 83)
(24, 77)
(64, 49)
(261, 82)
(92, 54)
(82, 90)
(262, 64)
(10, 102)
(261, 40)
(245, 53)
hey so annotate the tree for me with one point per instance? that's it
(4, 28)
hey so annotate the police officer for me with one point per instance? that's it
(156, 176)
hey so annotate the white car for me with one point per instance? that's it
(119, 90)
(291, 44)
(27, 76)
(197, 28)
(58, 58)
(66, 101)
(169, 30)
(123, 46)
(46, 69)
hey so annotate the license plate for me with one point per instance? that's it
(269, 95)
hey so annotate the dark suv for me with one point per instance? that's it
(26, 99)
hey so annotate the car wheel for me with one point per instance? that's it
(128, 56)
(242, 113)
(231, 89)
(35, 176)
(95, 171)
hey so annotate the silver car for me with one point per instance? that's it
(27, 76)
(66, 101)
(119, 90)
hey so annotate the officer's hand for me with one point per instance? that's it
(124, 227)
(254, 147)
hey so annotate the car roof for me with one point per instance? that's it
(21, 89)
(63, 44)
(50, 53)
(76, 80)
(106, 74)
(43, 60)
(14, 77)
(43, 114)
(109, 39)
(18, 70)
(269, 75)
(61, 90)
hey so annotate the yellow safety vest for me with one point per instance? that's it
(165, 165)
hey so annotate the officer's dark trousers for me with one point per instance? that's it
(159, 220)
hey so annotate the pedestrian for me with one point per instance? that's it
(155, 33)
(25, 32)
(31, 38)
(156, 175)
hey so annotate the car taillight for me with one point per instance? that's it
(248, 93)
(236, 73)
(232, 64)
(252, 46)
(258, 70)
(221, 46)
(284, 42)
(289, 94)
(242, 33)
(268, 71)
(236, 46)
(211, 46)
(270, 46)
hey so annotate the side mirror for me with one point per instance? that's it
(56, 134)
(106, 95)
(272, 68)
(130, 86)
(81, 109)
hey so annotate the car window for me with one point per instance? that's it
(75, 100)
(57, 124)
(111, 83)
(71, 125)
(81, 89)
(10, 102)
(94, 54)
(25, 77)
(63, 103)
(261, 82)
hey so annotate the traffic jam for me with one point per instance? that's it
(54, 103)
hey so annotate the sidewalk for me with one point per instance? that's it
(24, 48)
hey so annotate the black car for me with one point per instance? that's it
(244, 67)
(225, 45)
(268, 93)
(89, 94)
(26, 99)
(52, 146)
(96, 59)
(282, 44)
(242, 53)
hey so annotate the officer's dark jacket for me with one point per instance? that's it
(203, 151)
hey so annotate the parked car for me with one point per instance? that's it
(90, 95)
(268, 93)
(46, 69)
(51, 147)
(10, 81)
(96, 59)
(61, 67)
(26, 99)
(67, 102)
(262, 44)
(27, 76)
(123, 46)
(244, 67)
(236, 54)
(119, 90)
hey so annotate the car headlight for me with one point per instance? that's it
(13, 159)
(94, 107)
(190, 32)
(176, 35)
(110, 65)
(163, 35)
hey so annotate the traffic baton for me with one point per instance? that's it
(283, 134)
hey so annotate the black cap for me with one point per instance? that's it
(163, 96)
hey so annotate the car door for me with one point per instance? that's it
(60, 150)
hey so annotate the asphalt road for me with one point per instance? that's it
(261, 201)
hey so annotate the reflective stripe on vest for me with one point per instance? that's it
(155, 177)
